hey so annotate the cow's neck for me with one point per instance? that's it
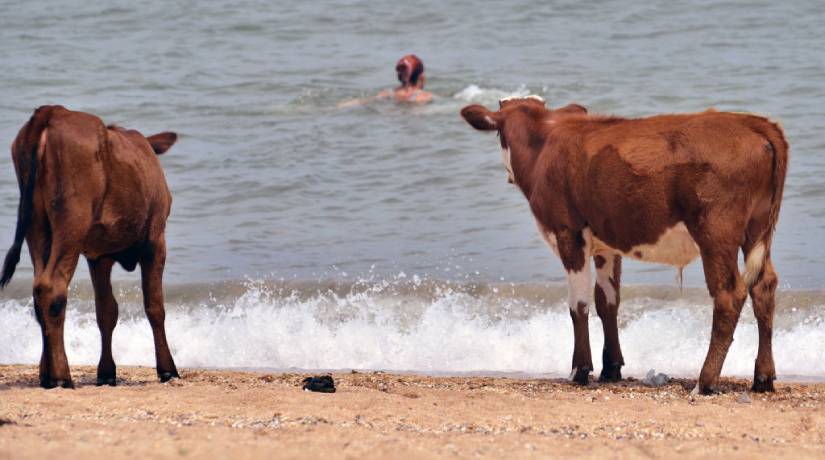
(523, 161)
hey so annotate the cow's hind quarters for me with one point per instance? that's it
(763, 383)
(582, 376)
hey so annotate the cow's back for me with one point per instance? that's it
(725, 140)
(634, 179)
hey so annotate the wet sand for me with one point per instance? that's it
(223, 414)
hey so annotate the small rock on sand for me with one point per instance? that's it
(655, 380)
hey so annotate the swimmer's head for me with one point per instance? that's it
(410, 71)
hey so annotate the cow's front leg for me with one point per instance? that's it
(106, 309)
(575, 256)
(606, 297)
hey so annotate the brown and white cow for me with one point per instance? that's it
(86, 189)
(662, 189)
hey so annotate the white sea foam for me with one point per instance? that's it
(446, 331)
(489, 96)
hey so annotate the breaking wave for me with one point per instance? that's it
(409, 324)
(489, 96)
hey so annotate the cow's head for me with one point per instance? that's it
(521, 124)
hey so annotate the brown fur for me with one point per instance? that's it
(98, 192)
(629, 180)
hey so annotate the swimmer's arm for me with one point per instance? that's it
(387, 93)
(423, 96)
(352, 103)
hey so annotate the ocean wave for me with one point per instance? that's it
(489, 96)
(413, 325)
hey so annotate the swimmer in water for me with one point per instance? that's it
(410, 71)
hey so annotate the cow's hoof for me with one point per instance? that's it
(582, 376)
(111, 381)
(167, 376)
(705, 390)
(762, 383)
(62, 383)
(611, 373)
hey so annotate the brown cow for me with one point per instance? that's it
(100, 192)
(662, 189)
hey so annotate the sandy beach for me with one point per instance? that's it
(228, 414)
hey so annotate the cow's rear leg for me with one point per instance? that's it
(763, 296)
(51, 287)
(728, 291)
(107, 312)
(151, 266)
(39, 244)
(606, 296)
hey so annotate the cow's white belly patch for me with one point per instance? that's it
(674, 247)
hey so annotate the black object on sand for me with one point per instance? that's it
(322, 384)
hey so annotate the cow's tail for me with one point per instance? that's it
(24, 150)
(778, 146)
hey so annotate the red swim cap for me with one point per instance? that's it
(409, 69)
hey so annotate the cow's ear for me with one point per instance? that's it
(162, 141)
(480, 118)
(573, 109)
